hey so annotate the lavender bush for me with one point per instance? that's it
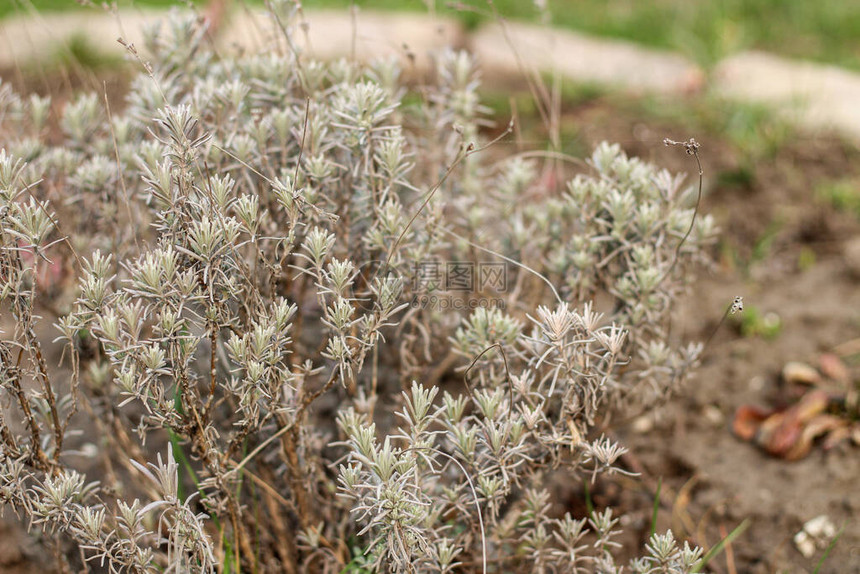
(271, 344)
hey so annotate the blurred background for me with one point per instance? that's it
(825, 31)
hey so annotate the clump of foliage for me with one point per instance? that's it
(243, 245)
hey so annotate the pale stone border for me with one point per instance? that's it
(816, 96)
(582, 58)
(26, 39)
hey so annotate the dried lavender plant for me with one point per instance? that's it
(246, 239)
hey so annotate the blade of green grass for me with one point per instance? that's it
(589, 505)
(656, 507)
(228, 557)
(719, 546)
(829, 548)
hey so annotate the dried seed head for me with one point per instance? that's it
(737, 305)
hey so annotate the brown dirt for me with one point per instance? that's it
(711, 480)
(19, 554)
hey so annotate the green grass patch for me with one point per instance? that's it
(80, 54)
(16, 7)
(753, 322)
(806, 259)
(842, 195)
(721, 545)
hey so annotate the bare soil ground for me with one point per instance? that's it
(772, 219)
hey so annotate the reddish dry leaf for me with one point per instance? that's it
(800, 373)
(799, 449)
(836, 435)
(833, 368)
(748, 419)
(812, 404)
(816, 427)
(788, 433)
(779, 433)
